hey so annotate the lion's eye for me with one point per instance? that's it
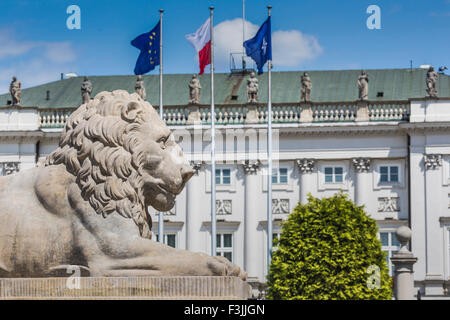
(162, 142)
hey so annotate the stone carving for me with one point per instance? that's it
(306, 88)
(280, 206)
(432, 78)
(88, 206)
(388, 204)
(86, 90)
(251, 167)
(15, 89)
(252, 88)
(140, 88)
(196, 166)
(171, 212)
(194, 90)
(363, 86)
(223, 207)
(361, 164)
(305, 165)
(432, 161)
(8, 168)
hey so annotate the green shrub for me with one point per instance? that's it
(324, 252)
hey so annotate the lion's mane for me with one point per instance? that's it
(99, 146)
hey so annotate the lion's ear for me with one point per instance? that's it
(131, 110)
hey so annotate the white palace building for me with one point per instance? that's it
(390, 153)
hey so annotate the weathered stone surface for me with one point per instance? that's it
(139, 87)
(88, 205)
(432, 78)
(306, 88)
(86, 90)
(252, 88)
(151, 288)
(363, 86)
(15, 89)
(194, 90)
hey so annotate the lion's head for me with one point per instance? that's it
(123, 156)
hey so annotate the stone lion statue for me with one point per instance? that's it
(88, 205)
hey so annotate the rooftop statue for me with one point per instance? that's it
(140, 88)
(252, 88)
(88, 205)
(15, 88)
(306, 88)
(432, 78)
(194, 90)
(86, 90)
(363, 86)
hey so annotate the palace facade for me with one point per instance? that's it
(390, 153)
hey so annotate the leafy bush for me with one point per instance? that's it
(328, 249)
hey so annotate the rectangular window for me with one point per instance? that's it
(280, 176)
(223, 176)
(390, 245)
(389, 174)
(224, 245)
(334, 174)
(169, 239)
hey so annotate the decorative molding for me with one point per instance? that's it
(224, 207)
(251, 167)
(8, 168)
(388, 204)
(361, 164)
(280, 206)
(432, 161)
(196, 166)
(305, 165)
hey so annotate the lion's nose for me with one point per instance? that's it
(186, 173)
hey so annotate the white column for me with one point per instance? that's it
(362, 183)
(305, 168)
(193, 220)
(434, 278)
(251, 252)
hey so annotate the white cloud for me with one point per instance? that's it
(290, 48)
(12, 48)
(33, 62)
(228, 39)
(59, 52)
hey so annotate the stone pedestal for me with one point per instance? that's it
(362, 111)
(252, 114)
(403, 261)
(114, 288)
(193, 114)
(306, 114)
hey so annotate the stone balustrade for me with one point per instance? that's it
(53, 118)
(281, 113)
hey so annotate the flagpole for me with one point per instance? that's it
(161, 114)
(269, 163)
(213, 145)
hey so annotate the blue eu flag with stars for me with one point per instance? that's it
(148, 43)
(259, 48)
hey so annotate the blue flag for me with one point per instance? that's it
(148, 43)
(259, 48)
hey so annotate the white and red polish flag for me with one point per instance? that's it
(201, 41)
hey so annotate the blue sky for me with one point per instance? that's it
(308, 34)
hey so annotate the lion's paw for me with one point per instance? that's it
(223, 267)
